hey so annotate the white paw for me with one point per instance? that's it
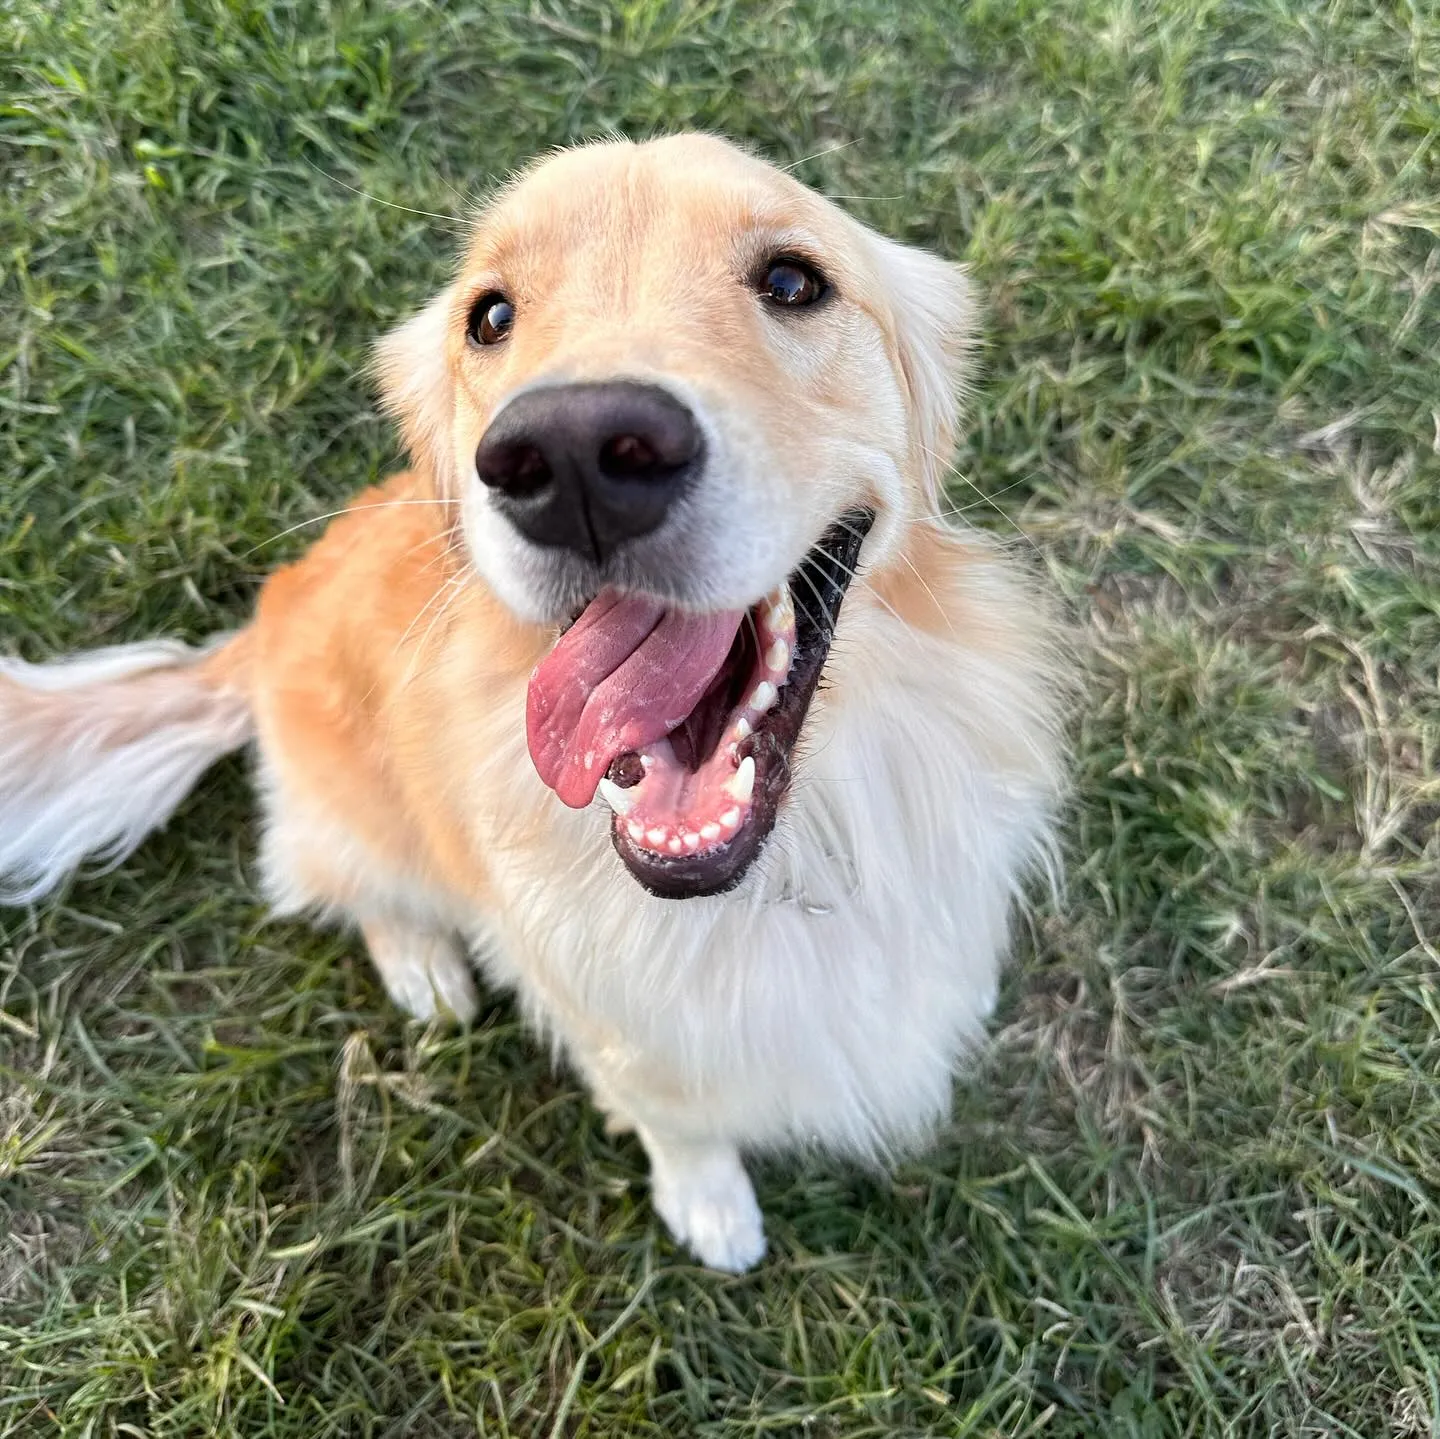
(709, 1206)
(430, 977)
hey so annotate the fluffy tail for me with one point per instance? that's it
(99, 749)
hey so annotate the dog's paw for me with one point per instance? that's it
(426, 975)
(710, 1207)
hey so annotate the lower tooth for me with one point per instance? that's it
(709, 832)
(692, 841)
(636, 830)
(655, 836)
(615, 797)
(731, 819)
(742, 782)
(765, 695)
(675, 845)
(777, 660)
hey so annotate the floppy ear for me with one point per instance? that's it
(415, 384)
(934, 318)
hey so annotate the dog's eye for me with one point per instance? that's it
(492, 317)
(792, 284)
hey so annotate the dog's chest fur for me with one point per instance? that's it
(826, 999)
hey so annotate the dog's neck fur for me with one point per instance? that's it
(922, 789)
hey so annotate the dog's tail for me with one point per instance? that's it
(99, 749)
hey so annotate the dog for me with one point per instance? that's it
(660, 688)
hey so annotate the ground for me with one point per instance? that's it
(1193, 1189)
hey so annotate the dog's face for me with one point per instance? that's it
(672, 392)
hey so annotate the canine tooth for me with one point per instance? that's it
(742, 783)
(777, 658)
(655, 836)
(675, 845)
(709, 832)
(765, 695)
(636, 830)
(615, 797)
(731, 819)
(692, 841)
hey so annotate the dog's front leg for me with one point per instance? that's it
(706, 1199)
(425, 971)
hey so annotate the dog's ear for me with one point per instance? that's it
(415, 384)
(934, 319)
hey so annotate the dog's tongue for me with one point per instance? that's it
(624, 675)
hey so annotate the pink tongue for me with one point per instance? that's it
(625, 674)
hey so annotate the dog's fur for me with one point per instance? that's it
(827, 999)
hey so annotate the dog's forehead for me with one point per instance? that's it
(693, 193)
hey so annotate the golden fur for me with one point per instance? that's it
(384, 676)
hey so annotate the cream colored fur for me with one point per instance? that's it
(827, 1001)
(98, 750)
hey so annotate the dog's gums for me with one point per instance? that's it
(685, 725)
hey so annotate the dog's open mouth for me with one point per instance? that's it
(685, 723)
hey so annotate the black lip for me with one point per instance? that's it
(818, 587)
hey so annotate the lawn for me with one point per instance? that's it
(1195, 1188)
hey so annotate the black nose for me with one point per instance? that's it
(587, 467)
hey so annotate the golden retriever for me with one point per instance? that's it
(659, 688)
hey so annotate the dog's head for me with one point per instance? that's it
(675, 394)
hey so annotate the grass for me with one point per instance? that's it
(1193, 1190)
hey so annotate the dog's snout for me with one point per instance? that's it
(587, 467)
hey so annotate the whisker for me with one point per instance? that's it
(452, 589)
(452, 539)
(377, 200)
(335, 514)
(952, 469)
(855, 576)
(423, 610)
(961, 510)
(828, 150)
(754, 628)
(824, 604)
(801, 608)
(925, 585)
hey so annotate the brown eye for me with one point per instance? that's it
(492, 317)
(792, 284)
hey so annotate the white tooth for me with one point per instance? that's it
(692, 841)
(743, 728)
(709, 832)
(777, 659)
(778, 613)
(636, 830)
(765, 695)
(731, 819)
(742, 783)
(655, 836)
(615, 797)
(675, 845)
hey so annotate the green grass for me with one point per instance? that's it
(1195, 1190)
